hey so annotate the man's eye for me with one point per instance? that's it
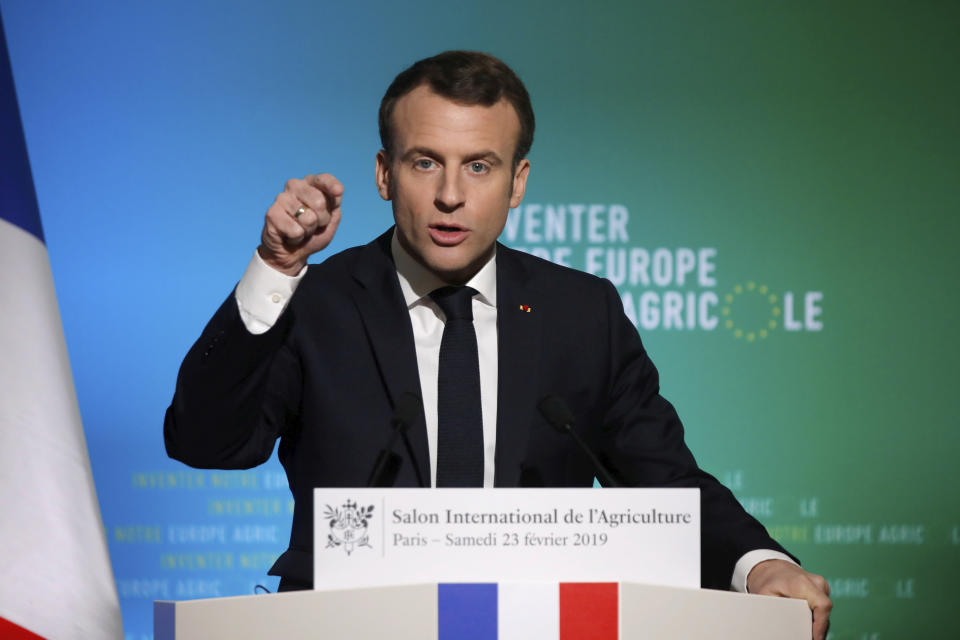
(478, 167)
(424, 163)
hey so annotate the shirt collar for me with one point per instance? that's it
(416, 281)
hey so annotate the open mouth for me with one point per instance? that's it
(447, 234)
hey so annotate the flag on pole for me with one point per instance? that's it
(55, 575)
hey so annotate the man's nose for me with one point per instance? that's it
(450, 195)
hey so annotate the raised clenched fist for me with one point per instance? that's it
(300, 222)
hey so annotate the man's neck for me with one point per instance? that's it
(417, 281)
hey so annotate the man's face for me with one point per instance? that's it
(450, 180)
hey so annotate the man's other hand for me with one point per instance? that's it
(785, 579)
(300, 222)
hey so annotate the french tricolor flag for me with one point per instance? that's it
(520, 611)
(55, 576)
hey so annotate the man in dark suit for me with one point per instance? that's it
(322, 370)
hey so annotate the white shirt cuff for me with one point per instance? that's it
(748, 561)
(263, 293)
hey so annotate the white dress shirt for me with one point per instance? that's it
(416, 283)
(263, 293)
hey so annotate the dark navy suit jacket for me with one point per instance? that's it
(324, 380)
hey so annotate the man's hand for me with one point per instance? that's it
(300, 222)
(785, 579)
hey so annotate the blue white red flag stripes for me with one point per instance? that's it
(56, 577)
(511, 611)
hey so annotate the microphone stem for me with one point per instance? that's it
(605, 478)
(384, 456)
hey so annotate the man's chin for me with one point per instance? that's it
(454, 275)
(454, 271)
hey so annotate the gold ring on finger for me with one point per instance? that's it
(300, 212)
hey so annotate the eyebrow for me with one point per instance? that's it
(489, 155)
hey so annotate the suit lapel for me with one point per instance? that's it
(519, 342)
(387, 323)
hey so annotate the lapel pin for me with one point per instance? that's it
(526, 307)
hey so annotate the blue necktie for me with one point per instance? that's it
(459, 417)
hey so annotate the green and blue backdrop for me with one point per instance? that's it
(772, 186)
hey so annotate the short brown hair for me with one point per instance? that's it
(467, 77)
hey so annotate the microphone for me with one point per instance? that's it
(558, 414)
(385, 469)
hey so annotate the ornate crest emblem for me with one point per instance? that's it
(348, 526)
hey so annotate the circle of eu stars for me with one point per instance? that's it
(751, 312)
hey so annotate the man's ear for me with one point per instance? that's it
(383, 174)
(519, 183)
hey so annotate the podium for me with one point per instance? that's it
(412, 613)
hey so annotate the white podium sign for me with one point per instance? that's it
(378, 537)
